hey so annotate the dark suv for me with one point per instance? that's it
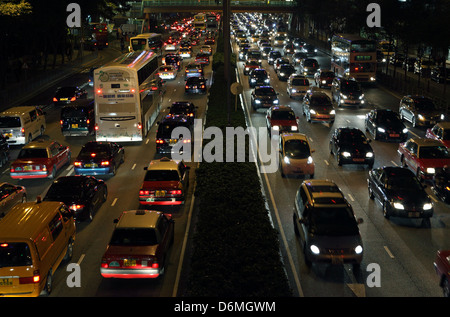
(264, 97)
(347, 92)
(326, 224)
(164, 139)
(258, 77)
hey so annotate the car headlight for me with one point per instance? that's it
(427, 206)
(276, 128)
(257, 101)
(314, 249)
(293, 90)
(324, 81)
(358, 249)
(286, 160)
(369, 154)
(421, 117)
(305, 69)
(381, 130)
(442, 116)
(281, 74)
(333, 112)
(267, 80)
(361, 97)
(346, 154)
(343, 96)
(294, 128)
(312, 111)
(309, 160)
(398, 205)
(405, 130)
(275, 101)
(253, 80)
(431, 170)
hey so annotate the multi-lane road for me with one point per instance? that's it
(399, 249)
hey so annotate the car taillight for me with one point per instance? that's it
(55, 99)
(187, 87)
(105, 163)
(73, 98)
(96, 127)
(76, 207)
(99, 91)
(159, 141)
(139, 126)
(22, 131)
(175, 192)
(77, 163)
(87, 121)
(61, 122)
(30, 279)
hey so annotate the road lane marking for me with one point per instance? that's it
(416, 135)
(81, 259)
(134, 165)
(114, 202)
(351, 197)
(388, 252)
(394, 163)
(326, 162)
(148, 140)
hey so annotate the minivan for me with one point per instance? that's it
(78, 118)
(35, 238)
(22, 124)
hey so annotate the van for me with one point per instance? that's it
(78, 118)
(22, 124)
(35, 237)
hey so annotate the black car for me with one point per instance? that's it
(78, 118)
(441, 184)
(350, 146)
(297, 58)
(165, 141)
(285, 71)
(82, 194)
(400, 192)
(183, 108)
(309, 49)
(258, 77)
(440, 74)
(264, 97)
(288, 49)
(408, 64)
(173, 59)
(4, 150)
(385, 124)
(324, 78)
(195, 85)
(99, 158)
(273, 55)
(347, 92)
(66, 95)
(243, 48)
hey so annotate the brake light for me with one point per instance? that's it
(73, 98)
(61, 122)
(139, 126)
(144, 192)
(155, 265)
(202, 86)
(4, 245)
(105, 163)
(187, 87)
(99, 91)
(77, 163)
(55, 99)
(175, 192)
(30, 279)
(159, 141)
(87, 121)
(76, 207)
(96, 127)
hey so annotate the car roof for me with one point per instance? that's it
(163, 164)
(18, 110)
(281, 108)
(38, 144)
(72, 179)
(139, 219)
(293, 136)
(426, 142)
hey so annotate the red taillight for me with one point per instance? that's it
(76, 163)
(202, 86)
(96, 127)
(144, 192)
(159, 141)
(175, 192)
(139, 126)
(187, 87)
(104, 265)
(87, 121)
(105, 163)
(99, 91)
(55, 99)
(4, 245)
(73, 98)
(61, 122)
(155, 265)
(30, 279)
(76, 207)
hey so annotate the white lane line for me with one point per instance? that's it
(351, 197)
(134, 165)
(326, 162)
(81, 259)
(388, 252)
(148, 140)
(394, 163)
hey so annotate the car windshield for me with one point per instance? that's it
(66, 91)
(15, 254)
(165, 129)
(74, 112)
(265, 91)
(333, 221)
(311, 63)
(297, 149)
(322, 100)
(134, 237)
(178, 108)
(64, 190)
(433, 152)
(161, 175)
(99, 149)
(350, 86)
(387, 117)
(403, 182)
(327, 74)
(424, 104)
(10, 122)
(32, 153)
(283, 115)
(352, 137)
(300, 82)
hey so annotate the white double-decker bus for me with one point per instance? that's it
(127, 97)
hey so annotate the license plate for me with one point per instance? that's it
(90, 165)
(129, 262)
(27, 168)
(64, 99)
(6, 282)
(74, 126)
(195, 87)
(160, 193)
(413, 214)
(394, 135)
(358, 160)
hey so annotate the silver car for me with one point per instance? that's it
(297, 86)
(11, 195)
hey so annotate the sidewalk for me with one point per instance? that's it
(34, 81)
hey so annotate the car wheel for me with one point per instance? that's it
(445, 287)
(53, 174)
(307, 261)
(48, 284)
(30, 138)
(69, 252)
(386, 213)
(371, 195)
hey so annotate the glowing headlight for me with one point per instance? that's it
(346, 154)
(309, 160)
(344, 96)
(421, 117)
(405, 130)
(442, 116)
(253, 80)
(431, 170)
(369, 154)
(358, 249)
(427, 206)
(275, 101)
(312, 111)
(361, 97)
(281, 74)
(314, 249)
(333, 112)
(267, 80)
(305, 69)
(324, 81)
(276, 128)
(294, 128)
(286, 160)
(293, 90)
(257, 101)
(398, 206)
(381, 130)
(372, 78)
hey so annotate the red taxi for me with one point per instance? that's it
(442, 268)
(165, 183)
(441, 132)
(282, 119)
(138, 246)
(40, 159)
(423, 156)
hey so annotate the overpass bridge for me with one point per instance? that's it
(194, 6)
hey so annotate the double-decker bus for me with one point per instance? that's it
(127, 97)
(146, 42)
(354, 56)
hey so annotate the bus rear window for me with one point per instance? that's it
(9, 122)
(15, 254)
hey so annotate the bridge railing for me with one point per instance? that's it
(153, 3)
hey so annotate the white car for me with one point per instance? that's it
(206, 49)
(167, 72)
(185, 52)
(297, 86)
